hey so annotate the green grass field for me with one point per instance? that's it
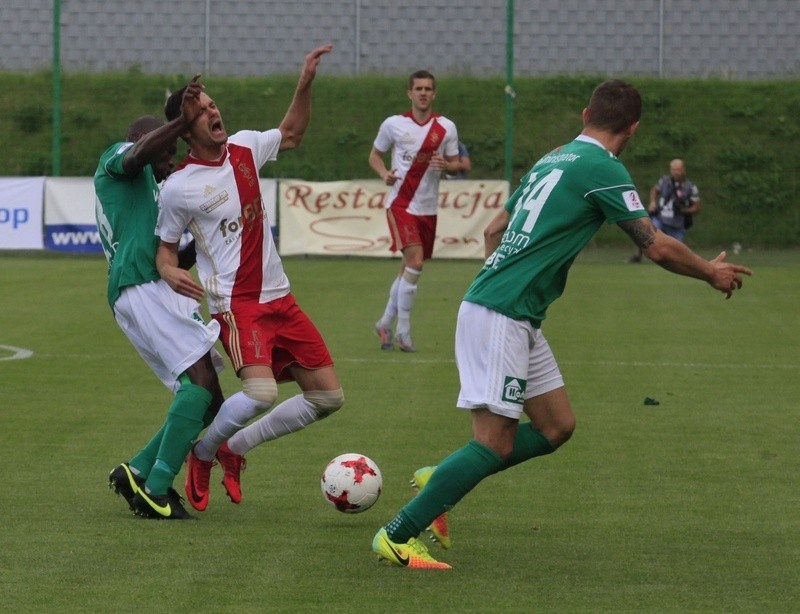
(688, 506)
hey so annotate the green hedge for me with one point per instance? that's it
(739, 139)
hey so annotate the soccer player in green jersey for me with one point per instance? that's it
(505, 365)
(164, 327)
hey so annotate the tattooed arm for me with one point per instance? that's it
(676, 257)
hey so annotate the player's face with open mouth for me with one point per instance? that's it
(209, 128)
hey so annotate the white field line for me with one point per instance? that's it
(584, 363)
(20, 353)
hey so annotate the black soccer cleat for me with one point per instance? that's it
(160, 507)
(125, 482)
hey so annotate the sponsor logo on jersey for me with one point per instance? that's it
(213, 203)
(251, 212)
(514, 390)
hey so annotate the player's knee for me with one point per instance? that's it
(561, 430)
(203, 373)
(325, 402)
(261, 389)
(191, 401)
(411, 273)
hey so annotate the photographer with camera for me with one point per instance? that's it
(673, 202)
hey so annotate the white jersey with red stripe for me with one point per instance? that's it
(412, 146)
(220, 203)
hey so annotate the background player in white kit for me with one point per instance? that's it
(423, 145)
(216, 194)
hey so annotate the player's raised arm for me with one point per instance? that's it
(298, 114)
(151, 143)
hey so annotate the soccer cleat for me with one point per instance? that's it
(159, 507)
(385, 335)
(439, 530)
(404, 342)
(232, 465)
(125, 482)
(413, 554)
(198, 473)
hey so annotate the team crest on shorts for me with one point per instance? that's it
(514, 390)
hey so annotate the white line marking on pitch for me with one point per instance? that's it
(435, 361)
(18, 353)
(585, 363)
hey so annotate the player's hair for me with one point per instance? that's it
(614, 106)
(141, 126)
(420, 74)
(172, 108)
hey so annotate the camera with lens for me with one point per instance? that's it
(679, 204)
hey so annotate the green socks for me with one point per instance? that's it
(528, 444)
(142, 463)
(455, 476)
(184, 422)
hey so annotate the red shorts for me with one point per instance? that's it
(409, 229)
(277, 334)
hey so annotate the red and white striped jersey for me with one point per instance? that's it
(220, 203)
(412, 146)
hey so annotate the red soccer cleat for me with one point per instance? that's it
(232, 465)
(198, 473)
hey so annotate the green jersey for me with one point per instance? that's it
(126, 210)
(559, 206)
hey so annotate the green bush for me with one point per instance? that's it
(738, 139)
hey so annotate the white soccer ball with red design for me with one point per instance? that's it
(351, 483)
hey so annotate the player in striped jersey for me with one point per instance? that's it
(215, 193)
(423, 145)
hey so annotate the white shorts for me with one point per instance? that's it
(501, 362)
(166, 329)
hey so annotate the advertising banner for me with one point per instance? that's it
(337, 218)
(21, 212)
(69, 223)
(69, 218)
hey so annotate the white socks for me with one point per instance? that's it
(390, 313)
(406, 294)
(235, 413)
(292, 415)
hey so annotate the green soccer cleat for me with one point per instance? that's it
(124, 482)
(439, 531)
(413, 554)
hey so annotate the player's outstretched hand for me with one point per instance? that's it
(726, 276)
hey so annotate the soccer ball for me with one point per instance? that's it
(351, 483)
